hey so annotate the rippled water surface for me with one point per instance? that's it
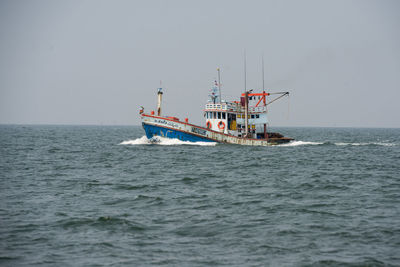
(105, 196)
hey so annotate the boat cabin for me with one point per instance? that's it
(230, 117)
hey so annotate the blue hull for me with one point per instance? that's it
(152, 130)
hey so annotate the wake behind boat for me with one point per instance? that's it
(241, 122)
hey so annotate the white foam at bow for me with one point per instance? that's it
(158, 140)
(139, 141)
(301, 143)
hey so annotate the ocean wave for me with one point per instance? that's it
(365, 144)
(101, 222)
(158, 140)
(304, 143)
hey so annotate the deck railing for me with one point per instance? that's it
(234, 107)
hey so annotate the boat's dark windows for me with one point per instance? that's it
(252, 116)
(214, 115)
(219, 115)
(239, 126)
(257, 116)
(223, 115)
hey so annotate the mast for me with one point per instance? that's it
(219, 85)
(159, 93)
(245, 71)
(246, 112)
(262, 59)
(264, 100)
(246, 100)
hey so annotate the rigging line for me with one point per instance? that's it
(279, 93)
(284, 94)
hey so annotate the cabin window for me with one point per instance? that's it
(252, 116)
(239, 126)
(257, 116)
(214, 115)
(223, 115)
(219, 115)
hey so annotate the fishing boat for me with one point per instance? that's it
(241, 122)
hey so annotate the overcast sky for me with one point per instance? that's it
(97, 62)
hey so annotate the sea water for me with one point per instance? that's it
(107, 196)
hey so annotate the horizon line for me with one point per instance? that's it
(139, 125)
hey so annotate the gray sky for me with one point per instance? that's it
(97, 62)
